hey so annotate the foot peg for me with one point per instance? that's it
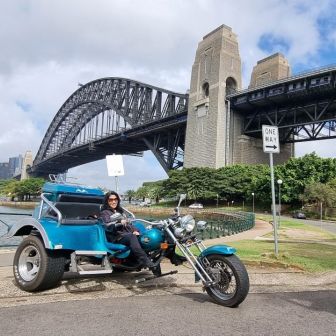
(151, 277)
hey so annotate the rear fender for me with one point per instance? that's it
(24, 228)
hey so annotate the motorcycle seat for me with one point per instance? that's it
(116, 247)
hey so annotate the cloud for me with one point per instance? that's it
(48, 47)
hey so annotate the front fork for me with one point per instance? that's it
(193, 261)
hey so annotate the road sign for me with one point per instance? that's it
(270, 136)
(115, 165)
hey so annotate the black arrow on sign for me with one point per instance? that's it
(274, 147)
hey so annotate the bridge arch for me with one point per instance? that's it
(109, 109)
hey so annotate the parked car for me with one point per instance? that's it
(145, 204)
(299, 215)
(196, 206)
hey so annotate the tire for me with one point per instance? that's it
(36, 268)
(233, 285)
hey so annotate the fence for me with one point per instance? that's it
(220, 224)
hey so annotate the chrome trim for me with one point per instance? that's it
(52, 206)
(129, 212)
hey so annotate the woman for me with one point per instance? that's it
(122, 231)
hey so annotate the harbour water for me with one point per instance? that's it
(10, 220)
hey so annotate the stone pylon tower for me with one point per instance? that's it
(215, 72)
(27, 162)
(249, 150)
(214, 136)
(269, 69)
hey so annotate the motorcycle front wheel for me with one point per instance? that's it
(231, 280)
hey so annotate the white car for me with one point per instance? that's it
(196, 206)
(145, 204)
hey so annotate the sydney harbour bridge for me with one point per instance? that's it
(114, 115)
(124, 116)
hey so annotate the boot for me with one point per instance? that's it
(145, 262)
(177, 259)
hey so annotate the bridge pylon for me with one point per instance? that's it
(214, 134)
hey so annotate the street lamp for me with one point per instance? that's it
(279, 183)
(252, 202)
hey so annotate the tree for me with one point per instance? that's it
(130, 194)
(23, 189)
(317, 193)
(142, 192)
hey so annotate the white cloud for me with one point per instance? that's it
(48, 47)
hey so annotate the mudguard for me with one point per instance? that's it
(218, 249)
(215, 249)
(24, 227)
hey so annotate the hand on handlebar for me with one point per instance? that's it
(124, 221)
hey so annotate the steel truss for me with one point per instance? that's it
(115, 109)
(296, 123)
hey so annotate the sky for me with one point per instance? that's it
(48, 47)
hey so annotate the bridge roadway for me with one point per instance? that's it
(303, 106)
(133, 141)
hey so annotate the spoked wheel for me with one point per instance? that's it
(36, 268)
(231, 280)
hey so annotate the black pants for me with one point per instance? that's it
(131, 240)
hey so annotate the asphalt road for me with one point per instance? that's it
(328, 226)
(305, 313)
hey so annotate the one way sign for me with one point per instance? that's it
(270, 136)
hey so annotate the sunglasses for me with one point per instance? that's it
(113, 199)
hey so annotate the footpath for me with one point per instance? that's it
(262, 280)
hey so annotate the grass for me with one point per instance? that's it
(306, 247)
(310, 257)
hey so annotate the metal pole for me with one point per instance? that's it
(276, 251)
(253, 202)
(116, 184)
(279, 204)
(321, 215)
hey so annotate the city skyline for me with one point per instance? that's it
(44, 58)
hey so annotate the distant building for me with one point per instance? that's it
(15, 165)
(4, 170)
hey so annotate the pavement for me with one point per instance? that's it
(263, 279)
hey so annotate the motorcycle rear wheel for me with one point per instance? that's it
(232, 280)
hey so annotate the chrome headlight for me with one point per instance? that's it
(179, 232)
(187, 223)
(201, 225)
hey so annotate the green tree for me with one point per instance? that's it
(130, 194)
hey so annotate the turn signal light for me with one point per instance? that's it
(164, 246)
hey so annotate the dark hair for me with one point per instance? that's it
(106, 205)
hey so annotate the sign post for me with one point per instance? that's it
(115, 167)
(271, 145)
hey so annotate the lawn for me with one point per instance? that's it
(300, 246)
(310, 257)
